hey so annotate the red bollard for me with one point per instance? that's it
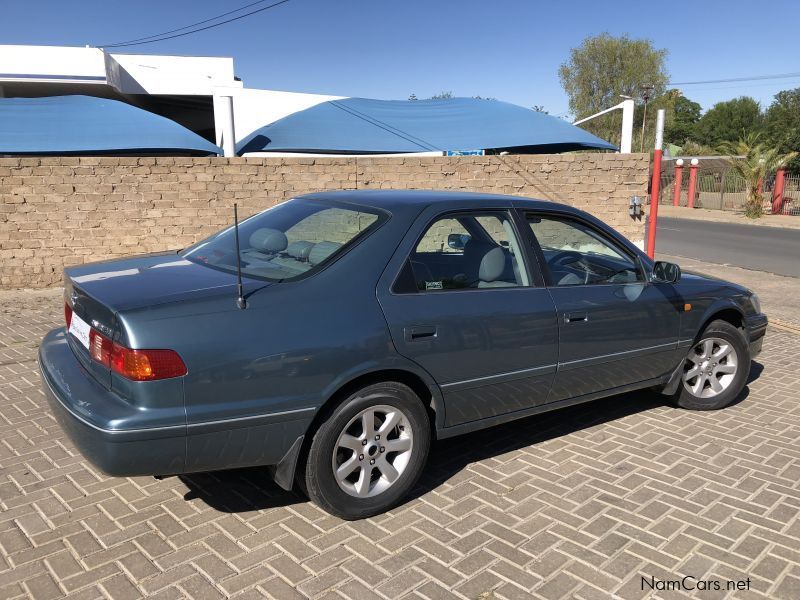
(678, 183)
(777, 191)
(692, 181)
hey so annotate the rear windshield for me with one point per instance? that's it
(288, 241)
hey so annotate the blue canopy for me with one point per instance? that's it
(89, 125)
(363, 126)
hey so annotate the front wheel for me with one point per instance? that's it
(715, 370)
(365, 457)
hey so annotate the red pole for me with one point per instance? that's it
(676, 197)
(655, 185)
(777, 191)
(692, 181)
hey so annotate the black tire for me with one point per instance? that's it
(319, 481)
(727, 332)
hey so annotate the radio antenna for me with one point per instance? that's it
(240, 301)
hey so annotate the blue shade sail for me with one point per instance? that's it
(364, 126)
(88, 125)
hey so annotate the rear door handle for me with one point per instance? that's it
(576, 317)
(419, 332)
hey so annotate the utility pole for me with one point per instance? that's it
(646, 91)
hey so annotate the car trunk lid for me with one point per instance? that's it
(148, 281)
(98, 292)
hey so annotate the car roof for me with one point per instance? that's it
(393, 200)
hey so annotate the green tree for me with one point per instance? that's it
(441, 96)
(540, 108)
(604, 67)
(730, 121)
(782, 123)
(682, 118)
(752, 160)
(680, 123)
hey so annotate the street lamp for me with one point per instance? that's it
(646, 91)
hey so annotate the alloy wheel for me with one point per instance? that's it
(373, 451)
(710, 367)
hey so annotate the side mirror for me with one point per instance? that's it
(457, 241)
(666, 272)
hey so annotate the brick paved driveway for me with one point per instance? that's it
(576, 504)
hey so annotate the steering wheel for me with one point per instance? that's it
(566, 257)
(560, 258)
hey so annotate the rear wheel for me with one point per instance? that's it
(369, 452)
(715, 370)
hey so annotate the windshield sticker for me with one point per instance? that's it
(433, 285)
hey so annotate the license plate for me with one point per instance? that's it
(80, 329)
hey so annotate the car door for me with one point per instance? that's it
(615, 327)
(470, 311)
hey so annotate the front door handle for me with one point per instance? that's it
(419, 332)
(581, 317)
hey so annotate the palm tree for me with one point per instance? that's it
(752, 160)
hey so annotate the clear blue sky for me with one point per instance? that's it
(507, 49)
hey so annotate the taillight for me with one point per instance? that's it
(100, 347)
(67, 314)
(146, 365)
(137, 365)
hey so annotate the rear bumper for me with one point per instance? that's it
(91, 415)
(756, 329)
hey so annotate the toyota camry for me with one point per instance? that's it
(332, 337)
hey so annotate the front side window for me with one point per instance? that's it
(576, 254)
(466, 251)
(287, 241)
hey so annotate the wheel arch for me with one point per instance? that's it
(725, 311)
(422, 385)
(428, 394)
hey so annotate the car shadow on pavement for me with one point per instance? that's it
(244, 490)
(239, 490)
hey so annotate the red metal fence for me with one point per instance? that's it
(727, 191)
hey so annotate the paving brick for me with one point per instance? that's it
(569, 504)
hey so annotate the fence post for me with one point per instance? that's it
(777, 191)
(626, 138)
(678, 183)
(692, 181)
(228, 131)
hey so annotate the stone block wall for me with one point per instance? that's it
(61, 211)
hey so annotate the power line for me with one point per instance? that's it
(148, 37)
(162, 37)
(736, 79)
(746, 87)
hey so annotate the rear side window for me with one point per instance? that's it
(472, 250)
(289, 241)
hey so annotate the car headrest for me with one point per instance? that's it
(321, 251)
(493, 264)
(475, 249)
(268, 240)
(299, 250)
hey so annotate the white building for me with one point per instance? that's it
(201, 93)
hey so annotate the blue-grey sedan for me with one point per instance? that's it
(369, 323)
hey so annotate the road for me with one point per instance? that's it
(771, 249)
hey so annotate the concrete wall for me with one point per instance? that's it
(62, 211)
